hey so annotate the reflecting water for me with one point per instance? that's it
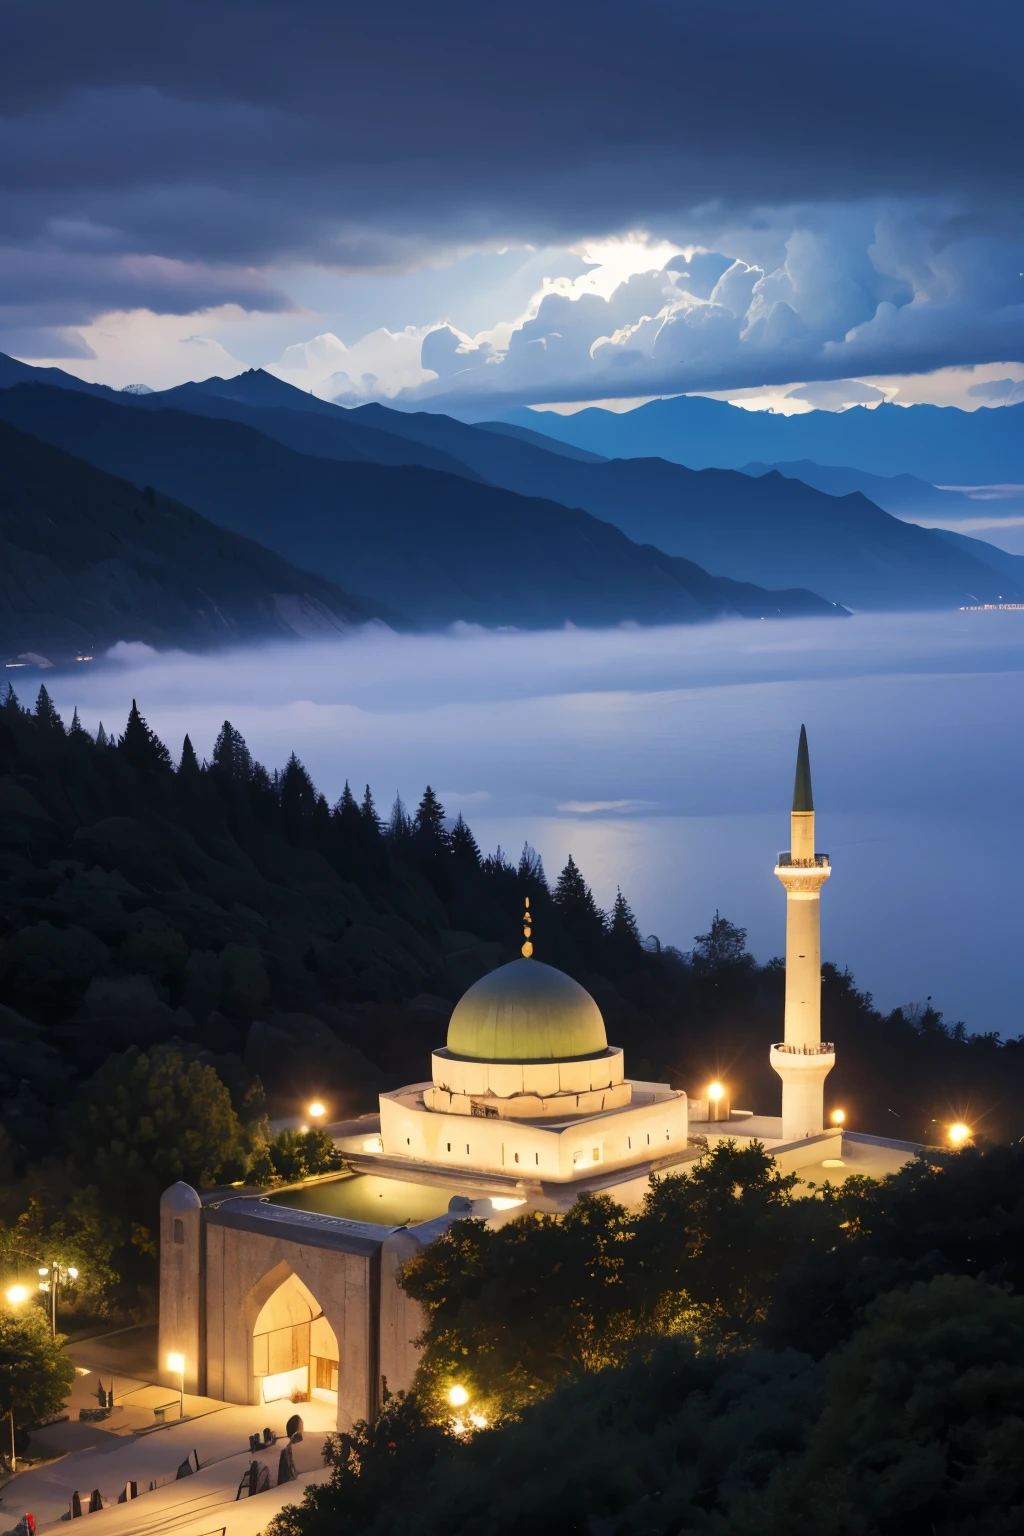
(367, 1197)
(663, 760)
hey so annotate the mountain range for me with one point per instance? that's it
(87, 559)
(939, 444)
(417, 545)
(430, 520)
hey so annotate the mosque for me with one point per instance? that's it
(294, 1294)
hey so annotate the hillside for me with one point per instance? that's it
(773, 532)
(435, 547)
(941, 445)
(87, 560)
(902, 495)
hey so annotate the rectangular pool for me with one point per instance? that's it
(368, 1197)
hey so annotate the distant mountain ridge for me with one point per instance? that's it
(902, 495)
(770, 531)
(433, 547)
(939, 444)
(87, 559)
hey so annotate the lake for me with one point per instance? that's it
(663, 760)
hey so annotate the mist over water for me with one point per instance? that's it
(663, 760)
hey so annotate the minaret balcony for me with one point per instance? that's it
(817, 861)
(823, 1048)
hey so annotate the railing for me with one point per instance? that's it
(819, 861)
(824, 1048)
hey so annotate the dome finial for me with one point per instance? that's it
(527, 949)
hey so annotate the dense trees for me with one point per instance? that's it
(35, 1373)
(227, 913)
(692, 1414)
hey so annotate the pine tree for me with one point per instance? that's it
(46, 713)
(531, 869)
(623, 931)
(76, 727)
(584, 921)
(102, 739)
(142, 747)
(429, 831)
(368, 811)
(399, 824)
(9, 699)
(298, 800)
(189, 766)
(723, 945)
(465, 852)
(231, 757)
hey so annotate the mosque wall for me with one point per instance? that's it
(530, 1152)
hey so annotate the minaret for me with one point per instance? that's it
(802, 1060)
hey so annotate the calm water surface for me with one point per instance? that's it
(663, 760)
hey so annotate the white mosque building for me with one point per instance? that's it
(266, 1297)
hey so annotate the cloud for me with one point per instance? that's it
(256, 134)
(999, 391)
(835, 393)
(593, 807)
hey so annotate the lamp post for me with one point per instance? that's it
(176, 1363)
(16, 1295)
(52, 1276)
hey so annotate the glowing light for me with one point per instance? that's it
(478, 1421)
(17, 1294)
(373, 1144)
(44, 1271)
(458, 1426)
(838, 1116)
(176, 1363)
(716, 1092)
(316, 1111)
(458, 1396)
(504, 1202)
(958, 1134)
(72, 1274)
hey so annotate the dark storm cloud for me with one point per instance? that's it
(245, 130)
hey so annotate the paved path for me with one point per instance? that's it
(192, 1506)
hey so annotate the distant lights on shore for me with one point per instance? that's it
(958, 1134)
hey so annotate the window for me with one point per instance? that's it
(467, 1148)
(179, 1230)
(408, 1142)
(596, 1154)
(517, 1157)
(449, 1146)
(667, 1136)
(648, 1138)
(629, 1143)
(536, 1158)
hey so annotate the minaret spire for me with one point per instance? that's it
(802, 1060)
(803, 800)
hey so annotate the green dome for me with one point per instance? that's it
(526, 1011)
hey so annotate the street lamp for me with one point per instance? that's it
(958, 1134)
(52, 1276)
(176, 1363)
(458, 1397)
(16, 1294)
(316, 1110)
(838, 1117)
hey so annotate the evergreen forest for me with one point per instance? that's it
(188, 949)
